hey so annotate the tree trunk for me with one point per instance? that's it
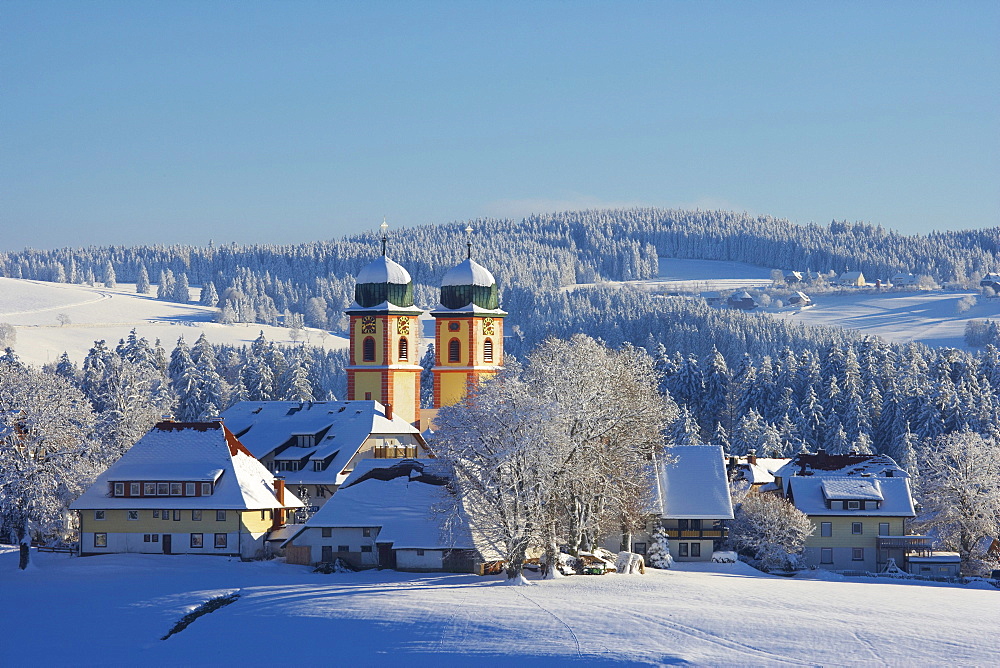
(24, 541)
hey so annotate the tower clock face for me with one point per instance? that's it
(368, 324)
(403, 326)
(488, 327)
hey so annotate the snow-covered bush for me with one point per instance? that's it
(771, 531)
(658, 555)
(724, 557)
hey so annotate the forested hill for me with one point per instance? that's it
(542, 251)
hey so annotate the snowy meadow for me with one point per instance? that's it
(114, 610)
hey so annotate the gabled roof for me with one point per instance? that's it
(263, 426)
(695, 485)
(807, 493)
(189, 451)
(398, 496)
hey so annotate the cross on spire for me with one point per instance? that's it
(468, 240)
(385, 237)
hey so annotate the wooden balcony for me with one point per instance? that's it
(695, 533)
(395, 452)
(907, 543)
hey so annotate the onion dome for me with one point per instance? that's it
(469, 283)
(383, 281)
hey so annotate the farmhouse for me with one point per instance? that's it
(183, 488)
(316, 445)
(383, 517)
(852, 278)
(742, 300)
(692, 498)
(799, 299)
(858, 504)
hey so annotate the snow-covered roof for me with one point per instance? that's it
(936, 558)
(469, 272)
(384, 270)
(339, 427)
(188, 451)
(851, 489)
(827, 465)
(851, 275)
(694, 486)
(741, 295)
(808, 495)
(398, 497)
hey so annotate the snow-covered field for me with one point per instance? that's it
(95, 313)
(930, 317)
(113, 610)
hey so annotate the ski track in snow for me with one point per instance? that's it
(576, 639)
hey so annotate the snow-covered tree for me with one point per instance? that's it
(658, 554)
(142, 281)
(770, 530)
(209, 296)
(110, 280)
(959, 493)
(47, 454)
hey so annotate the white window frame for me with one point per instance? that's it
(855, 552)
(119, 489)
(149, 489)
(189, 489)
(854, 505)
(163, 489)
(100, 539)
(206, 489)
(179, 487)
(134, 489)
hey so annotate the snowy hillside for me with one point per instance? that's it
(931, 317)
(35, 308)
(113, 610)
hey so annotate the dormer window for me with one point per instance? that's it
(206, 489)
(133, 489)
(162, 489)
(854, 505)
(189, 489)
(149, 489)
(305, 440)
(119, 489)
(176, 489)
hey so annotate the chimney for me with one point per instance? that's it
(752, 457)
(388, 411)
(278, 518)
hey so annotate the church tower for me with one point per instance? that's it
(384, 363)
(468, 325)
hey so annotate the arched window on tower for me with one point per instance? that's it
(368, 349)
(454, 351)
(488, 350)
(404, 349)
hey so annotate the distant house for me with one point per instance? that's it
(904, 280)
(859, 506)
(692, 498)
(183, 488)
(799, 299)
(382, 517)
(315, 445)
(712, 297)
(742, 300)
(852, 278)
(991, 281)
(793, 277)
(754, 473)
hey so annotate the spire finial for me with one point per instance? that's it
(468, 240)
(385, 237)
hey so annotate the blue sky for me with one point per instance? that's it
(180, 122)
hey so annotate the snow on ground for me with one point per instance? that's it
(113, 610)
(95, 313)
(686, 276)
(930, 317)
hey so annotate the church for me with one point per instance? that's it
(384, 335)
